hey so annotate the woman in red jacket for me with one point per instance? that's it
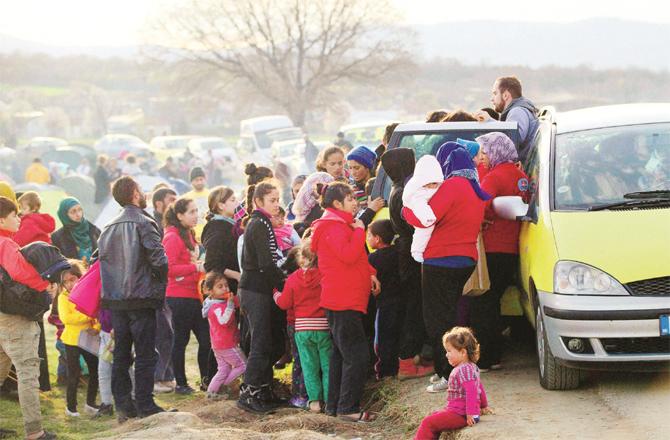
(184, 271)
(501, 241)
(451, 254)
(347, 279)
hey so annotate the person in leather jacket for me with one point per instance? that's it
(133, 270)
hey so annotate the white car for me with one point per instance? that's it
(114, 145)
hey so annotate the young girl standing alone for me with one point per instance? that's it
(466, 397)
(219, 309)
(347, 279)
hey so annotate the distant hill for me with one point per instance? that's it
(10, 44)
(598, 43)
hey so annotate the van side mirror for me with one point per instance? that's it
(512, 208)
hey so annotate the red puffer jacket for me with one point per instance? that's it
(504, 180)
(35, 227)
(16, 265)
(183, 274)
(343, 263)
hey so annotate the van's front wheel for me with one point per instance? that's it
(553, 376)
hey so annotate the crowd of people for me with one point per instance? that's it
(321, 280)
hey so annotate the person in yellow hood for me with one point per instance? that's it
(37, 173)
(76, 322)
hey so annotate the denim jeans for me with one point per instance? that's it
(134, 328)
(164, 342)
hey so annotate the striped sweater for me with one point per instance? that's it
(301, 294)
(466, 394)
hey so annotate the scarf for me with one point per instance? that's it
(443, 153)
(224, 218)
(499, 148)
(79, 231)
(264, 218)
(306, 199)
(459, 164)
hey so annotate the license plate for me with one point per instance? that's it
(665, 325)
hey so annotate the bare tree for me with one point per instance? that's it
(292, 52)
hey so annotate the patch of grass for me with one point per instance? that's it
(85, 427)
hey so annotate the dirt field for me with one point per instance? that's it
(612, 406)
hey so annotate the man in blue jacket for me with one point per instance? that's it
(133, 270)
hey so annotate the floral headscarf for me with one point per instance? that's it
(499, 148)
(306, 199)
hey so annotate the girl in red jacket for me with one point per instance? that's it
(451, 254)
(501, 241)
(184, 271)
(302, 294)
(347, 279)
(35, 226)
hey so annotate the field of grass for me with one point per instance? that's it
(85, 427)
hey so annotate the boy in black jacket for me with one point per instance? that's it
(390, 301)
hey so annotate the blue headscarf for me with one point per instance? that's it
(443, 154)
(472, 146)
(460, 164)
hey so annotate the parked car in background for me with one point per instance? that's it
(114, 145)
(166, 146)
(292, 153)
(255, 142)
(369, 134)
(594, 269)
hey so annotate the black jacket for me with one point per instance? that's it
(314, 214)
(63, 240)
(399, 165)
(385, 261)
(220, 244)
(102, 180)
(259, 271)
(133, 264)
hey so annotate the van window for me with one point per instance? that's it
(599, 166)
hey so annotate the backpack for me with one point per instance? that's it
(18, 299)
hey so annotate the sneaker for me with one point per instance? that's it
(46, 435)
(183, 390)
(106, 409)
(435, 378)
(268, 396)
(298, 402)
(91, 409)
(161, 388)
(71, 413)
(442, 385)
(217, 396)
(127, 412)
(250, 400)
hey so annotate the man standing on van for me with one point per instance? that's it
(508, 100)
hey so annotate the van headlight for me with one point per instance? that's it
(574, 278)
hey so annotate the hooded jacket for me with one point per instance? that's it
(343, 262)
(182, 272)
(415, 196)
(25, 274)
(302, 293)
(133, 265)
(220, 314)
(399, 164)
(35, 227)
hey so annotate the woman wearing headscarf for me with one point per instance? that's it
(306, 206)
(451, 254)
(78, 238)
(398, 163)
(362, 162)
(501, 241)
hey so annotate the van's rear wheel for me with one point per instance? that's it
(553, 376)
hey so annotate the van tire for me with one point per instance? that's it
(553, 376)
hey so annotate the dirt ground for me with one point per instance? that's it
(612, 406)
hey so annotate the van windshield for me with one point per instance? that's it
(597, 167)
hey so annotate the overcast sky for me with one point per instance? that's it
(117, 22)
